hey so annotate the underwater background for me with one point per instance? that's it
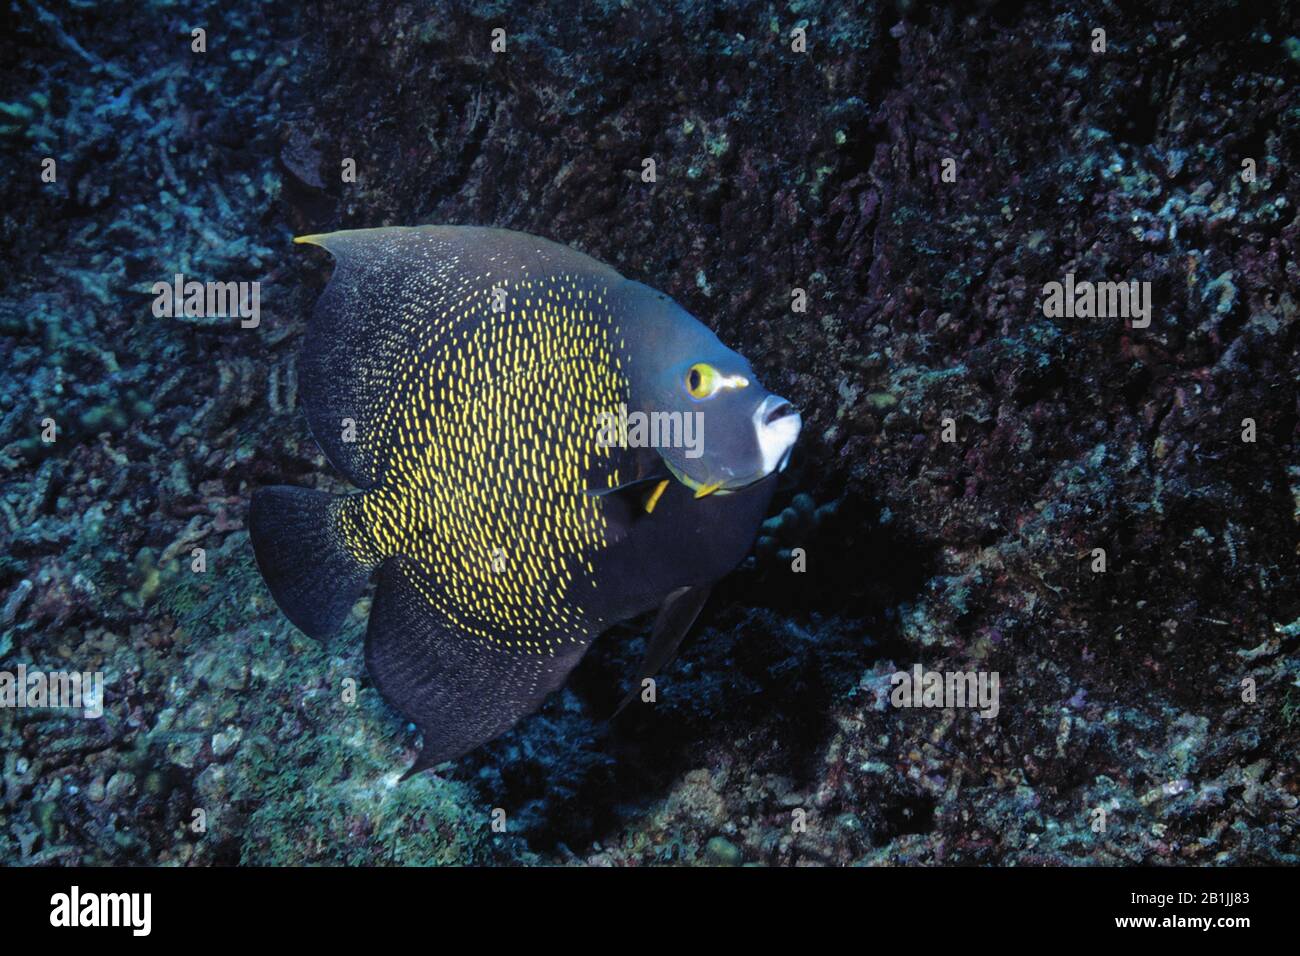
(1164, 690)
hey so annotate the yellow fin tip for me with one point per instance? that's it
(655, 495)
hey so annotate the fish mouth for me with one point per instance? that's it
(776, 429)
(776, 426)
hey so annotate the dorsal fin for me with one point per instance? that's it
(398, 292)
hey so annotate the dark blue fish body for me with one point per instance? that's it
(465, 380)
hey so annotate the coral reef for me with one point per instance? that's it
(1162, 691)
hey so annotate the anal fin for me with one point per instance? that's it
(459, 689)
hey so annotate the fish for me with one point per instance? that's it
(487, 393)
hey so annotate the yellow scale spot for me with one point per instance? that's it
(486, 465)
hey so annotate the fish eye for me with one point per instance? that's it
(701, 380)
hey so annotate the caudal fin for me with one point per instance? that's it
(313, 575)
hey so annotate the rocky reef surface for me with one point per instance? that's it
(963, 455)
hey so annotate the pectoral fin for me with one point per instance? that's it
(676, 615)
(635, 485)
(627, 503)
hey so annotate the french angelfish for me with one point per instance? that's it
(463, 379)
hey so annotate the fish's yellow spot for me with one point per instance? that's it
(705, 490)
(655, 496)
(482, 431)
